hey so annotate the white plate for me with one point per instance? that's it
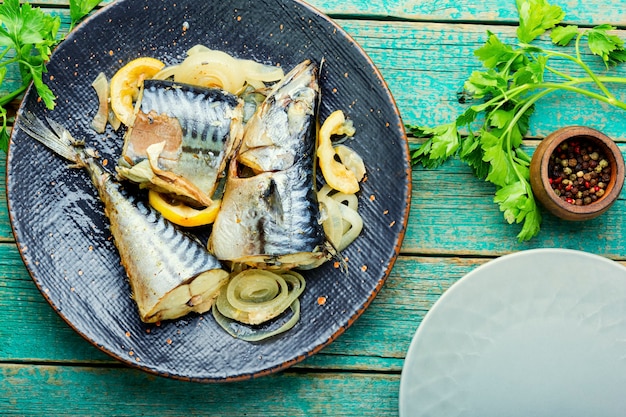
(537, 333)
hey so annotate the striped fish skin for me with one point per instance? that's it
(271, 218)
(281, 132)
(199, 129)
(162, 263)
(170, 274)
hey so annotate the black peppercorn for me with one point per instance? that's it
(579, 172)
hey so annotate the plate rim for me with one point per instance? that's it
(341, 329)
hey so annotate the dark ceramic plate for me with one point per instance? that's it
(63, 235)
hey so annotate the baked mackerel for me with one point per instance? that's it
(170, 273)
(181, 140)
(270, 215)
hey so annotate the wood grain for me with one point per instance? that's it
(410, 56)
(577, 11)
(48, 389)
(377, 341)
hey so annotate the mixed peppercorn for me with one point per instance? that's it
(579, 171)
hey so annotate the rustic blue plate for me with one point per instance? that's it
(63, 235)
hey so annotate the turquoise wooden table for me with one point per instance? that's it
(424, 50)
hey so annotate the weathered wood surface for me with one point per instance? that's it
(502, 11)
(424, 49)
(54, 390)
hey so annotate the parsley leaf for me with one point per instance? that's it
(535, 17)
(443, 142)
(81, 8)
(28, 36)
(495, 54)
(516, 202)
(609, 47)
(562, 35)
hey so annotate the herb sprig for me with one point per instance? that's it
(28, 36)
(512, 82)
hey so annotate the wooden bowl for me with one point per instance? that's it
(540, 178)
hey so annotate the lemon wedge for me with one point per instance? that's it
(181, 214)
(335, 173)
(126, 83)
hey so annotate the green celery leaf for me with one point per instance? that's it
(523, 122)
(511, 198)
(532, 73)
(42, 89)
(481, 84)
(535, 17)
(494, 153)
(4, 134)
(5, 39)
(522, 157)
(499, 169)
(494, 53)
(81, 8)
(500, 118)
(4, 139)
(33, 25)
(603, 44)
(443, 143)
(472, 154)
(10, 16)
(532, 222)
(562, 35)
(418, 131)
(519, 206)
(617, 56)
(466, 118)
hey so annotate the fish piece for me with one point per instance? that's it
(270, 215)
(281, 132)
(270, 220)
(170, 273)
(181, 139)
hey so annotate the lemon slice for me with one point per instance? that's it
(182, 214)
(125, 86)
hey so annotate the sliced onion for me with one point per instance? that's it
(350, 200)
(255, 296)
(243, 332)
(166, 72)
(261, 72)
(331, 221)
(341, 221)
(351, 160)
(198, 49)
(101, 85)
(353, 225)
(211, 68)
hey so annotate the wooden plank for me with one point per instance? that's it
(577, 11)
(378, 340)
(52, 390)
(409, 56)
(6, 234)
(453, 212)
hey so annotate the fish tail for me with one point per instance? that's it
(53, 136)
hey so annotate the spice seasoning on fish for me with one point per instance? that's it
(579, 172)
